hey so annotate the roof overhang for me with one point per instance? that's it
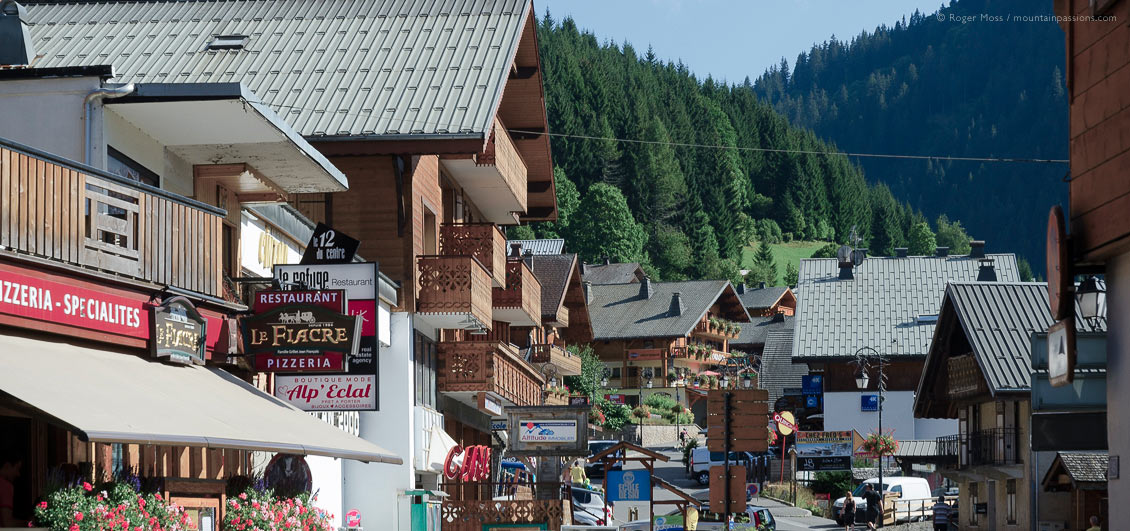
(226, 124)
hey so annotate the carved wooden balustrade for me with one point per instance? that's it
(488, 366)
(478, 515)
(484, 241)
(563, 361)
(454, 292)
(59, 210)
(519, 303)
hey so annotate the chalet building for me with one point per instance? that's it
(653, 335)
(117, 222)
(1078, 482)
(416, 111)
(1097, 85)
(612, 273)
(768, 301)
(890, 305)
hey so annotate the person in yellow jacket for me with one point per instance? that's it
(577, 473)
(692, 519)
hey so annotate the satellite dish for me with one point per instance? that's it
(858, 256)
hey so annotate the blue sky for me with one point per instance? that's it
(730, 38)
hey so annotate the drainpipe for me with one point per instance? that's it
(88, 107)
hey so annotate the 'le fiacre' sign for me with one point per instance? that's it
(307, 336)
(311, 361)
(179, 332)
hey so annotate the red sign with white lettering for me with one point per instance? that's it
(46, 300)
(326, 362)
(330, 299)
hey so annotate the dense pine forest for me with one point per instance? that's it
(914, 87)
(685, 210)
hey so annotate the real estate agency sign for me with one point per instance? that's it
(359, 283)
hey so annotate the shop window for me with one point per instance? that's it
(426, 364)
(1010, 490)
(119, 164)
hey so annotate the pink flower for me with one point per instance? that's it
(78, 517)
(74, 527)
(87, 486)
(243, 496)
(42, 505)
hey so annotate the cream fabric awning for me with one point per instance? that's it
(112, 396)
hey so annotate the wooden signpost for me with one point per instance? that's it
(737, 421)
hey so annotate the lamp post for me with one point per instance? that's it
(862, 380)
(1091, 296)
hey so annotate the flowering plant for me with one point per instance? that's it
(260, 511)
(880, 444)
(81, 508)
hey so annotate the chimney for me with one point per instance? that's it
(529, 258)
(583, 271)
(588, 290)
(741, 288)
(901, 252)
(977, 249)
(15, 39)
(942, 252)
(515, 250)
(779, 317)
(607, 260)
(986, 273)
(645, 288)
(676, 304)
(760, 285)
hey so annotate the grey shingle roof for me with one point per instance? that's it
(882, 303)
(761, 298)
(613, 273)
(1085, 466)
(553, 272)
(618, 312)
(998, 320)
(757, 329)
(329, 67)
(778, 371)
(549, 246)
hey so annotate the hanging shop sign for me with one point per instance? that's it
(541, 431)
(475, 464)
(300, 330)
(489, 404)
(179, 332)
(328, 246)
(819, 451)
(359, 282)
(327, 392)
(70, 305)
(547, 431)
(330, 299)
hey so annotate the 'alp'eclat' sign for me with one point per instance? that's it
(330, 392)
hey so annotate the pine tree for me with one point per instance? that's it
(922, 241)
(604, 226)
(792, 276)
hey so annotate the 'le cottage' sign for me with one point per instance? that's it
(179, 332)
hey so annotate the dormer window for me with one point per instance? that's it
(228, 42)
(927, 319)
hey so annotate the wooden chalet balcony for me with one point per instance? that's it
(707, 355)
(484, 241)
(519, 303)
(454, 292)
(58, 210)
(555, 400)
(563, 361)
(470, 367)
(707, 330)
(495, 178)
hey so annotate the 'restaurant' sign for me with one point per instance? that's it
(179, 332)
(330, 299)
(327, 392)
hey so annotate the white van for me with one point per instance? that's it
(702, 459)
(914, 500)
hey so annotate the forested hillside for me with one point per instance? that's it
(940, 87)
(687, 211)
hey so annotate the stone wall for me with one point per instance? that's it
(658, 436)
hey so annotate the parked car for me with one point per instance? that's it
(596, 470)
(702, 459)
(589, 509)
(913, 495)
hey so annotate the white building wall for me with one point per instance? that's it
(374, 488)
(46, 114)
(326, 473)
(1118, 385)
(842, 412)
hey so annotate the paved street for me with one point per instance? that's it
(788, 518)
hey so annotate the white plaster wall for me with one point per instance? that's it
(1118, 384)
(251, 229)
(326, 473)
(841, 412)
(46, 114)
(134, 143)
(374, 488)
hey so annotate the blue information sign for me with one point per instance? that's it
(869, 402)
(629, 485)
(812, 384)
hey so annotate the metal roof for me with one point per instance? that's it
(778, 371)
(329, 67)
(618, 311)
(548, 246)
(612, 273)
(882, 303)
(760, 298)
(998, 319)
(917, 448)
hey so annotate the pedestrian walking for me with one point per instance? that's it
(874, 505)
(683, 438)
(1095, 524)
(942, 512)
(848, 512)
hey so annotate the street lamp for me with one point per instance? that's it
(862, 380)
(604, 377)
(1091, 296)
(747, 380)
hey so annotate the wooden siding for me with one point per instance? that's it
(454, 285)
(502, 153)
(484, 241)
(565, 362)
(488, 366)
(59, 213)
(522, 291)
(1098, 71)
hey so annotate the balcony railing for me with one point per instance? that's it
(488, 366)
(454, 292)
(948, 448)
(60, 210)
(484, 241)
(719, 331)
(503, 154)
(994, 447)
(519, 303)
(563, 361)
